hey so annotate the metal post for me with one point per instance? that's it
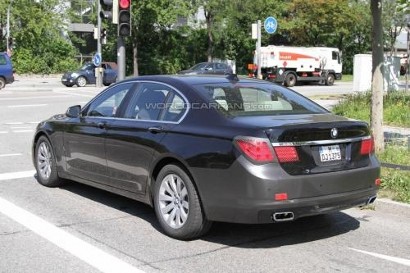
(99, 73)
(121, 58)
(408, 60)
(258, 51)
(8, 29)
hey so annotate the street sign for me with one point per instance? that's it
(270, 25)
(97, 59)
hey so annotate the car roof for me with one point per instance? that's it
(196, 79)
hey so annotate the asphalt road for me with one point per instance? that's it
(80, 229)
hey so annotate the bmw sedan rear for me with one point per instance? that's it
(203, 149)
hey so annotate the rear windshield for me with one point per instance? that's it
(256, 99)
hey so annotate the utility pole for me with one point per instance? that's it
(99, 72)
(8, 30)
(121, 57)
(258, 50)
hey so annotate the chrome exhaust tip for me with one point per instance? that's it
(283, 216)
(371, 200)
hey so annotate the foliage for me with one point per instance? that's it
(395, 111)
(396, 184)
(39, 46)
(161, 45)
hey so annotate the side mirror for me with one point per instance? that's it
(73, 111)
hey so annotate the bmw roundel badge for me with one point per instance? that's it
(333, 133)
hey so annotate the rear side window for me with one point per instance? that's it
(156, 102)
(3, 60)
(253, 99)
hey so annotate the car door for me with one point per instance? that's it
(133, 140)
(90, 74)
(110, 74)
(84, 139)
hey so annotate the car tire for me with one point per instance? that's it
(69, 85)
(290, 80)
(2, 83)
(45, 164)
(330, 79)
(177, 204)
(81, 81)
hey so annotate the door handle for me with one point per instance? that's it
(101, 125)
(155, 129)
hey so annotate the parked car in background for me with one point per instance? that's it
(211, 148)
(6, 70)
(208, 68)
(86, 75)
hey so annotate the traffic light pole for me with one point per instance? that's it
(121, 58)
(98, 72)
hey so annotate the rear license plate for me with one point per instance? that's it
(330, 153)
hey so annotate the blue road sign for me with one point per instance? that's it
(270, 25)
(97, 59)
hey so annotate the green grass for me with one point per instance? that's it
(395, 111)
(395, 183)
(347, 78)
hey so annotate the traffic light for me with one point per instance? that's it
(124, 18)
(109, 10)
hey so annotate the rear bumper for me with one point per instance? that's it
(246, 193)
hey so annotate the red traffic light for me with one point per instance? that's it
(125, 4)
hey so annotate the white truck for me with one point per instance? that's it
(289, 65)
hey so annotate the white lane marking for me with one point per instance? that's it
(21, 127)
(23, 131)
(385, 257)
(34, 122)
(88, 253)
(16, 175)
(8, 155)
(14, 123)
(26, 105)
(75, 94)
(34, 97)
(3, 132)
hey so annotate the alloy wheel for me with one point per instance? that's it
(173, 201)
(44, 160)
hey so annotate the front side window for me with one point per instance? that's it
(108, 103)
(255, 99)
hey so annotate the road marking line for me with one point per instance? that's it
(16, 175)
(23, 131)
(88, 253)
(385, 257)
(7, 155)
(26, 105)
(36, 97)
(75, 94)
(21, 127)
(3, 132)
(14, 123)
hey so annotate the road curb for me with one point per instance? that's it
(393, 207)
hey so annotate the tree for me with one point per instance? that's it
(377, 80)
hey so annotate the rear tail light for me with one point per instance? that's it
(260, 150)
(367, 146)
(286, 154)
(257, 149)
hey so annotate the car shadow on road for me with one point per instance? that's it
(235, 235)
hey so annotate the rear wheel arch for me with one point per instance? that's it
(2, 82)
(171, 161)
(164, 162)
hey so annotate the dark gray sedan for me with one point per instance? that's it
(211, 148)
